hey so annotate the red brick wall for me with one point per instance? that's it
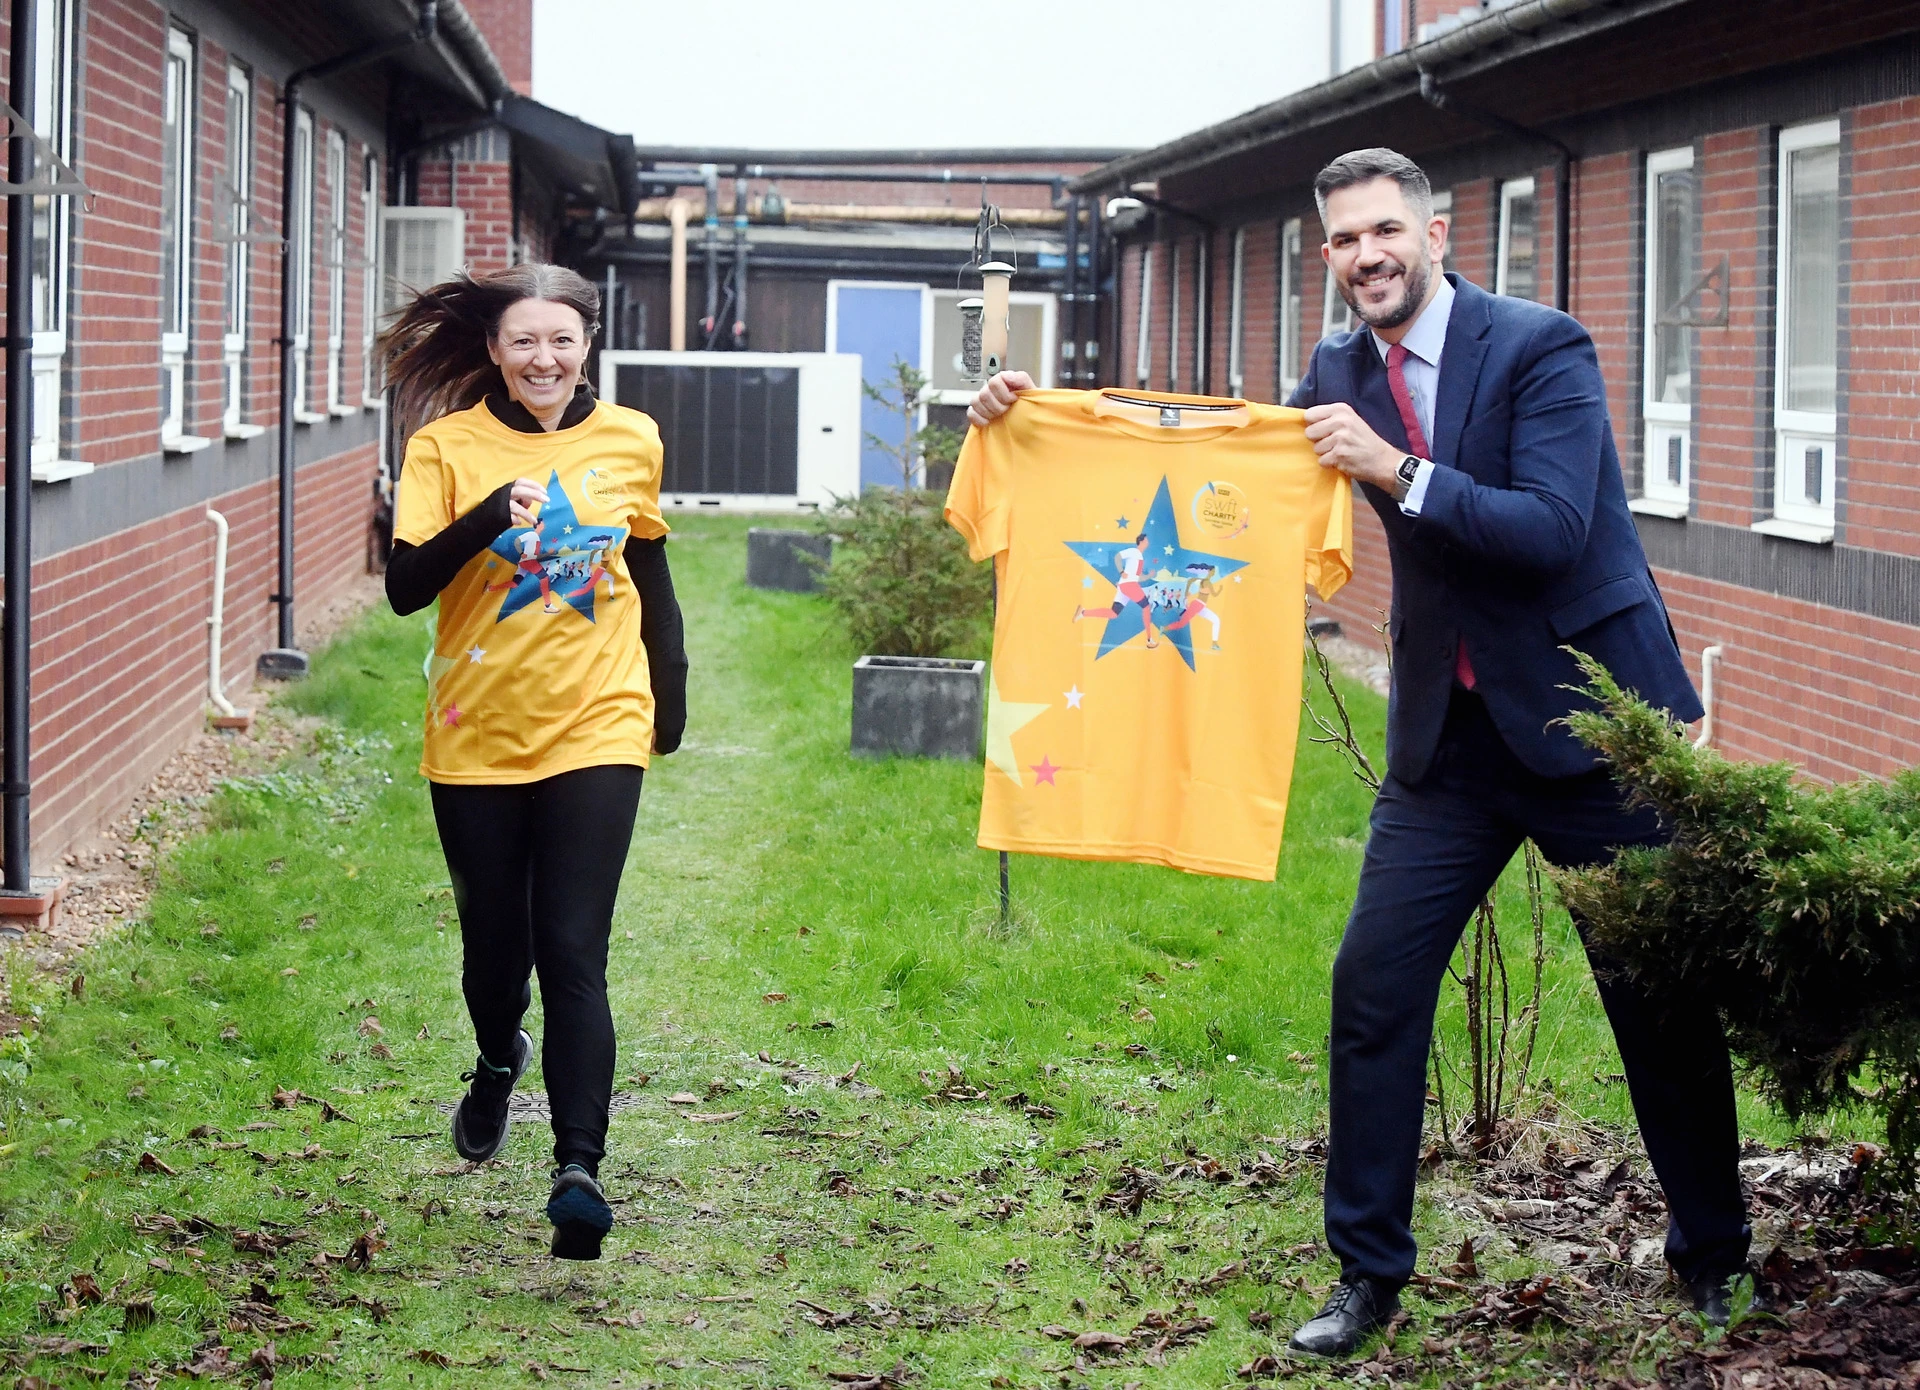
(1258, 288)
(1119, 370)
(1474, 234)
(1732, 391)
(484, 188)
(1603, 296)
(507, 26)
(1882, 435)
(120, 633)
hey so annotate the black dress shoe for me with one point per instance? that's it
(1713, 1297)
(1356, 1310)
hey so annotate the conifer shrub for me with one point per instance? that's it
(1794, 908)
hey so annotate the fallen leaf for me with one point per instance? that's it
(328, 1112)
(79, 985)
(202, 1132)
(137, 1312)
(85, 1288)
(824, 1023)
(360, 1254)
(283, 1099)
(432, 1357)
(773, 997)
(1259, 1366)
(1099, 1341)
(1143, 1015)
(714, 1117)
(1057, 1332)
(150, 1164)
(380, 1052)
(290, 970)
(370, 1027)
(423, 1035)
(683, 1098)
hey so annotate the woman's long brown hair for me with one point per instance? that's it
(436, 351)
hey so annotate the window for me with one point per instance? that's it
(1201, 266)
(369, 276)
(1443, 207)
(236, 195)
(1173, 317)
(1335, 315)
(1393, 29)
(336, 271)
(1517, 271)
(176, 242)
(300, 235)
(1286, 357)
(1667, 343)
(1143, 339)
(52, 236)
(1806, 351)
(1236, 326)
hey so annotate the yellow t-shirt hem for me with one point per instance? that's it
(499, 777)
(1137, 853)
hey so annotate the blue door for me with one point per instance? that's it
(880, 322)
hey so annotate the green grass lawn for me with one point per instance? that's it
(806, 939)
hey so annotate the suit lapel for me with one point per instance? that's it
(1372, 397)
(1466, 349)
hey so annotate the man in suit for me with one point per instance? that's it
(1477, 428)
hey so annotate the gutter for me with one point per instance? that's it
(460, 38)
(1499, 37)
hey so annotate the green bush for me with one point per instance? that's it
(1795, 908)
(900, 576)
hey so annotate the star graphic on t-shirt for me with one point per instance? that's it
(1168, 596)
(451, 715)
(549, 570)
(1121, 523)
(1043, 772)
(476, 655)
(1074, 697)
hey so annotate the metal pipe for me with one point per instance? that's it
(1069, 349)
(655, 210)
(677, 210)
(800, 173)
(710, 176)
(739, 265)
(216, 692)
(1203, 306)
(1096, 239)
(287, 661)
(606, 309)
(1709, 658)
(16, 623)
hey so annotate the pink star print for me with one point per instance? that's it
(1043, 772)
(451, 714)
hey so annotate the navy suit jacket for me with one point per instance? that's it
(1524, 544)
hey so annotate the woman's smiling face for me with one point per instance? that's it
(539, 349)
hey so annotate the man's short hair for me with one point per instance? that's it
(1364, 166)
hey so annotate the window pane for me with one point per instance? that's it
(172, 195)
(51, 73)
(1670, 371)
(1813, 278)
(1520, 278)
(233, 193)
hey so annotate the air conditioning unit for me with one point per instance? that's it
(420, 247)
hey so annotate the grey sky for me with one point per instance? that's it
(854, 74)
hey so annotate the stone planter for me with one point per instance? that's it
(918, 706)
(774, 559)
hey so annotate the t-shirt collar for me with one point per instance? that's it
(1426, 338)
(514, 415)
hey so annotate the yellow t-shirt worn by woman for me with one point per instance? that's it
(537, 666)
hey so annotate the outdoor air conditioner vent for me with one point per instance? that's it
(1675, 457)
(420, 247)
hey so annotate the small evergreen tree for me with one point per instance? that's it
(900, 575)
(1793, 908)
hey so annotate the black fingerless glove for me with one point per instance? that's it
(662, 634)
(417, 573)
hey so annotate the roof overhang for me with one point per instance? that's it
(592, 165)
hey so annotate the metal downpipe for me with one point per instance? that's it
(710, 175)
(16, 624)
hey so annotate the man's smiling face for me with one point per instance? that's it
(1383, 252)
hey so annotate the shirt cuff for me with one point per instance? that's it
(1417, 493)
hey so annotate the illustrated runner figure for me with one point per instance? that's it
(1200, 588)
(528, 544)
(598, 546)
(1131, 563)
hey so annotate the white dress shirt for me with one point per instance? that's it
(1425, 340)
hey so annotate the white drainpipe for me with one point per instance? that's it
(214, 691)
(1709, 658)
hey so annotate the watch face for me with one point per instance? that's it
(1409, 469)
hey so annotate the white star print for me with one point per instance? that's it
(475, 654)
(1169, 550)
(1074, 697)
(566, 530)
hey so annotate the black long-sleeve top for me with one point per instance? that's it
(417, 573)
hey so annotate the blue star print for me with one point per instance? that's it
(566, 564)
(1167, 596)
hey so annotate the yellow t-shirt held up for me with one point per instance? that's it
(1153, 564)
(537, 666)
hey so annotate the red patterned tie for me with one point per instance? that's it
(1417, 442)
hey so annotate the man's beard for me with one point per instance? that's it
(1417, 277)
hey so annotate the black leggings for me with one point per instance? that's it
(535, 869)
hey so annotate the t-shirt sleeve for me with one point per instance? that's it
(977, 497)
(648, 523)
(1330, 533)
(425, 507)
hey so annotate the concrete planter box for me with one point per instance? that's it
(774, 559)
(918, 706)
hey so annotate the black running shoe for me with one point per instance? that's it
(481, 1118)
(580, 1215)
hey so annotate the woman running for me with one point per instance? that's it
(546, 713)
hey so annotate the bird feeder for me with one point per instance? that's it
(971, 314)
(996, 280)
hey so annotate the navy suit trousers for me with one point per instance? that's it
(1434, 850)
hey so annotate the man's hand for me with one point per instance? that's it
(1346, 442)
(996, 398)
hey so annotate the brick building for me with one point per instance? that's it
(157, 307)
(1733, 179)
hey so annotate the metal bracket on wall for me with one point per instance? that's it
(1683, 313)
(52, 176)
(236, 205)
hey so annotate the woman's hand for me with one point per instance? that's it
(996, 398)
(526, 495)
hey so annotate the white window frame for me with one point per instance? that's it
(1202, 268)
(237, 194)
(1511, 190)
(336, 173)
(1665, 424)
(1286, 357)
(1443, 208)
(1236, 325)
(1334, 320)
(370, 196)
(1143, 336)
(300, 233)
(1173, 316)
(1797, 432)
(52, 117)
(176, 327)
